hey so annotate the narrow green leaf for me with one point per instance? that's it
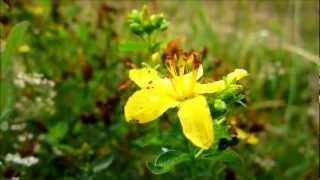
(227, 156)
(6, 76)
(103, 164)
(166, 161)
(14, 39)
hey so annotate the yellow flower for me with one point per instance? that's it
(24, 48)
(249, 138)
(180, 90)
(37, 9)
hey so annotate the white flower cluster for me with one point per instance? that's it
(36, 95)
(33, 79)
(265, 163)
(26, 161)
(24, 137)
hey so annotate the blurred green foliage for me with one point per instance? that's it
(86, 49)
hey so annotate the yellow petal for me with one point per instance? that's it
(220, 85)
(213, 87)
(144, 77)
(147, 105)
(252, 139)
(196, 121)
(241, 134)
(184, 85)
(199, 73)
(237, 74)
(249, 138)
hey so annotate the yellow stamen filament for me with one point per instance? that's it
(181, 67)
(183, 84)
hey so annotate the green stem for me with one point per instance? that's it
(198, 153)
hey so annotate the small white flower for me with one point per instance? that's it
(19, 83)
(18, 127)
(265, 162)
(22, 138)
(51, 83)
(26, 161)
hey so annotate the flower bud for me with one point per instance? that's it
(231, 93)
(144, 13)
(148, 27)
(164, 25)
(136, 28)
(135, 16)
(236, 75)
(220, 106)
(156, 57)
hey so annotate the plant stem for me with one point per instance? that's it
(198, 153)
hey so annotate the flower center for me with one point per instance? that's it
(182, 68)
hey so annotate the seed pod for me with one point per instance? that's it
(223, 144)
(87, 72)
(88, 118)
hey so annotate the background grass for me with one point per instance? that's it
(75, 44)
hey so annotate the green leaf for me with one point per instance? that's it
(166, 161)
(57, 132)
(82, 32)
(132, 46)
(6, 89)
(14, 39)
(103, 164)
(147, 140)
(221, 131)
(230, 157)
(5, 114)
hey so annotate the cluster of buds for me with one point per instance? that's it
(141, 22)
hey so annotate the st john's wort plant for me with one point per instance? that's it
(174, 83)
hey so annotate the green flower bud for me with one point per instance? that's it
(217, 107)
(134, 16)
(136, 28)
(156, 20)
(230, 93)
(144, 13)
(148, 27)
(220, 105)
(164, 25)
(142, 22)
